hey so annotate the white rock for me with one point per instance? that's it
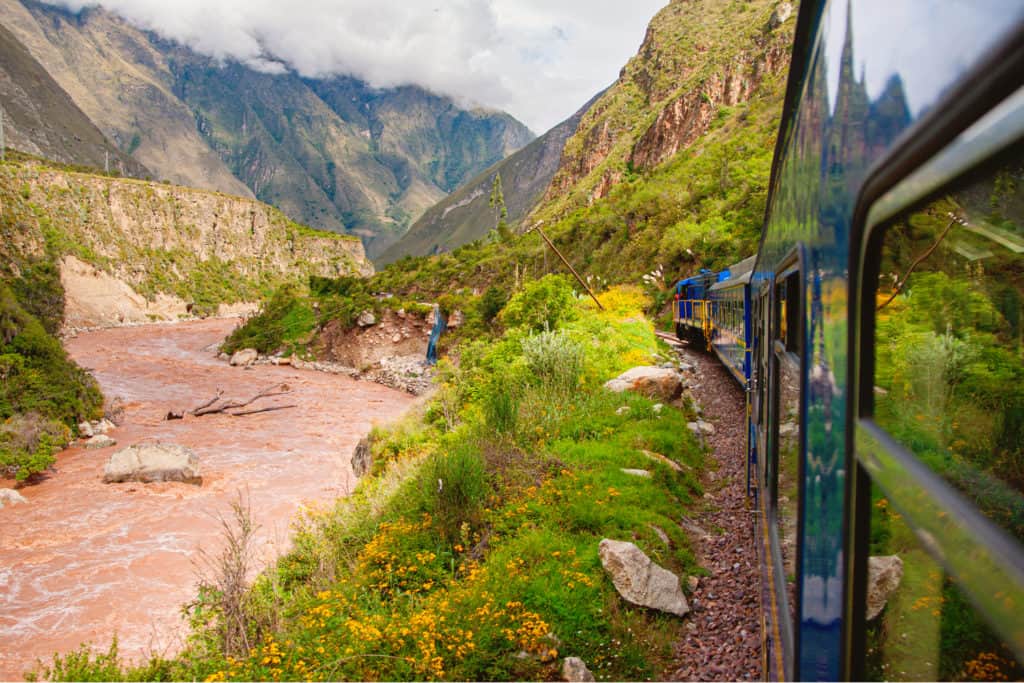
(85, 429)
(11, 497)
(575, 670)
(100, 441)
(639, 580)
(782, 12)
(155, 462)
(396, 337)
(701, 427)
(366, 319)
(657, 408)
(884, 575)
(658, 457)
(637, 473)
(662, 384)
(622, 410)
(104, 426)
(244, 357)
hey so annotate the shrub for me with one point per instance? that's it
(28, 443)
(454, 486)
(542, 305)
(491, 303)
(554, 359)
(285, 317)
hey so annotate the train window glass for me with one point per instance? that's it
(786, 485)
(920, 624)
(949, 351)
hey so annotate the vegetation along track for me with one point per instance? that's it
(722, 640)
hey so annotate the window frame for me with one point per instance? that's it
(970, 547)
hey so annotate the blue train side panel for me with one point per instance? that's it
(729, 303)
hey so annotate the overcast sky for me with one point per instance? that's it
(539, 60)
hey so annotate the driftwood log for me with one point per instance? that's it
(219, 405)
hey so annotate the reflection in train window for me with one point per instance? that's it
(787, 425)
(949, 387)
(949, 378)
(920, 625)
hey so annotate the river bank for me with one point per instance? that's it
(83, 561)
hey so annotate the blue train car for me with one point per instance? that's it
(886, 402)
(728, 301)
(690, 311)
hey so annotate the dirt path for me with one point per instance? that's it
(84, 560)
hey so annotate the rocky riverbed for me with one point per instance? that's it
(82, 560)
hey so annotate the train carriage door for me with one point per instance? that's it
(938, 505)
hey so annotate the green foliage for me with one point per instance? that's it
(542, 305)
(43, 394)
(473, 540)
(285, 318)
(490, 304)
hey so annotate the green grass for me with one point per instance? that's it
(471, 552)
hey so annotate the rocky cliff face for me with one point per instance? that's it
(335, 154)
(466, 214)
(139, 241)
(697, 58)
(40, 118)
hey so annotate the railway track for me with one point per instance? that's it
(722, 640)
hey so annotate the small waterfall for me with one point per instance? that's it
(440, 325)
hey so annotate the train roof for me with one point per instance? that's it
(736, 274)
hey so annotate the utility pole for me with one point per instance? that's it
(106, 161)
(567, 264)
(3, 142)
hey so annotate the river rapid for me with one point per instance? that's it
(85, 561)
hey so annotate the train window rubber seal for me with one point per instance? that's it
(967, 544)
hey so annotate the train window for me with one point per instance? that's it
(945, 443)
(786, 389)
(949, 357)
(920, 624)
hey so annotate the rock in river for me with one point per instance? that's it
(156, 462)
(244, 357)
(11, 497)
(100, 441)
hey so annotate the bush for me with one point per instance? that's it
(554, 359)
(28, 444)
(285, 317)
(455, 487)
(491, 303)
(543, 304)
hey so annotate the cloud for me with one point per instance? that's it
(537, 59)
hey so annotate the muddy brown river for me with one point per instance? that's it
(83, 560)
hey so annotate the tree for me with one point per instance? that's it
(497, 202)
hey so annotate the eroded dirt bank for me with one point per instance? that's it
(83, 560)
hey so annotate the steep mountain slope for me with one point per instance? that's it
(334, 154)
(669, 168)
(466, 214)
(41, 119)
(696, 59)
(133, 251)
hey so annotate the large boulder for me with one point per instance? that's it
(244, 357)
(884, 575)
(639, 580)
(662, 384)
(155, 462)
(11, 497)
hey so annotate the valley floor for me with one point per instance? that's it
(84, 561)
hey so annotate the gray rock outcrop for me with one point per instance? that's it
(639, 580)
(575, 670)
(154, 462)
(661, 384)
(11, 497)
(884, 575)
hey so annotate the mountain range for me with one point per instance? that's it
(332, 153)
